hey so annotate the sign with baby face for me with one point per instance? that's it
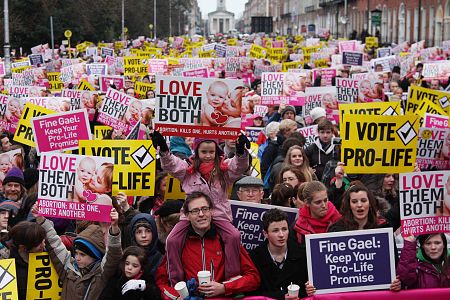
(10, 112)
(198, 107)
(75, 186)
(134, 164)
(61, 131)
(120, 111)
(24, 133)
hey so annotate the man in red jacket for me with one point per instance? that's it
(203, 250)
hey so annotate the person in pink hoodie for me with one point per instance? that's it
(208, 172)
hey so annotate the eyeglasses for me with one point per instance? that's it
(196, 211)
(250, 190)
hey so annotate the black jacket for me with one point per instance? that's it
(274, 281)
(270, 153)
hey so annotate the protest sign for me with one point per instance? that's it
(361, 138)
(101, 132)
(133, 65)
(425, 202)
(36, 59)
(371, 42)
(271, 87)
(352, 58)
(10, 112)
(24, 132)
(351, 260)
(134, 164)
(8, 282)
(82, 99)
(173, 189)
(25, 91)
(61, 131)
(97, 69)
(346, 90)
(55, 83)
(117, 81)
(417, 94)
(371, 108)
(141, 89)
(57, 104)
(232, 66)
(157, 66)
(436, 70)
(201, 72)
(319, 97)
(433, 148)
(84, 85)
(345, 46)
(75, 186)
(247, 218)
(198, 107)
(386, 63)
(107, 51)
(382, 52)
(43, 281)
(326, 75)
(310, 133)
(253, 133)
(255, 167)
(119, 111)
(10, 159)
(435, 121)
(2, 68)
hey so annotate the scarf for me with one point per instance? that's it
(306, 224)
(207, 170)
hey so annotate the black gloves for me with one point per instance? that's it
(158, 140)
(242, 143)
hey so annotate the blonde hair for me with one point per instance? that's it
(304, 168)
(287, 123)
(311, 188)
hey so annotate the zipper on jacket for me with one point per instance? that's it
(203, 254)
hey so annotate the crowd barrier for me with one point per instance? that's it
(417, 294)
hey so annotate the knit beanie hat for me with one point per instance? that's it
(288, 108)
(14, 175)
(11, 206)
(91, 242)
(317, 112)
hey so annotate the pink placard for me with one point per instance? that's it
(202, 72)
(61, 131)
(435, 121)
(75, 186)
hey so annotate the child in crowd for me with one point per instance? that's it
(208, 172)
(14, 111)
(131, 280)
(85, 275)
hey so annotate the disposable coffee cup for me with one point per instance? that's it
(181, 288)
(293, 290)
(204, 277)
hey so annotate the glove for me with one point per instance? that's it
(241, 144)
(133, 284)
(158, 140)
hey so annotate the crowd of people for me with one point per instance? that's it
(153, 243)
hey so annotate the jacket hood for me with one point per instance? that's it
(178, 145)
(93, 234)
(151, 221)
(420, 256)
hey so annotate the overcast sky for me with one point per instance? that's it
(235, 6)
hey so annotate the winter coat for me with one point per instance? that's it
(306, 224)
(318, 156)
(416, 272)
(207, 253)
(113, 291)
(274, 281)
(154, 256)
(270, 153)
(195, 182)
(21, 273)
(75, 285)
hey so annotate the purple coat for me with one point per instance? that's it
(418, 273)
(195, 182)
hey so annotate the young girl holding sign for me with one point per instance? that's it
(209, 173)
